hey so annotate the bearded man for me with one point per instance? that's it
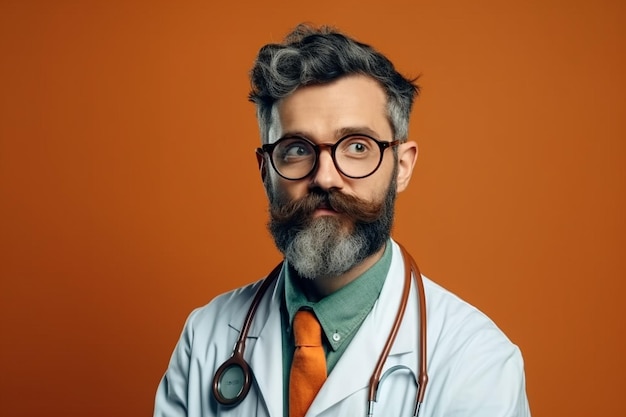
(346, 325)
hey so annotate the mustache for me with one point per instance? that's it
(299, 211)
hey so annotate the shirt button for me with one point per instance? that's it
(336, 337)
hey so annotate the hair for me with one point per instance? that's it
(310, 56)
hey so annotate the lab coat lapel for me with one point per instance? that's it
(354, 369)
(264, 350)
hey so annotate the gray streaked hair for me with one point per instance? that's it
(311, 56)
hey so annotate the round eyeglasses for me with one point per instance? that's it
(355, 156)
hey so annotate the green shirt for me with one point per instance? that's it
(340, 313)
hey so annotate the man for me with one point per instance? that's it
(333, 116)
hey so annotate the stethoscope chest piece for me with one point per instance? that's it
(232, 381)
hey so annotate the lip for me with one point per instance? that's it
(324, 211)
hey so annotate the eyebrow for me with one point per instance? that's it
(339, 133)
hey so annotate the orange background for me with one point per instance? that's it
(129, 192)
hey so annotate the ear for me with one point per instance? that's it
(260, 159)
(407, 155)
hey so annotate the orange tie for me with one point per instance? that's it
(308, 369)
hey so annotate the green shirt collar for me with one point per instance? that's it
(342, 312)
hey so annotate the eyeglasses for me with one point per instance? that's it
(355, 156)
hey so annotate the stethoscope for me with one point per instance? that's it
(233, 378)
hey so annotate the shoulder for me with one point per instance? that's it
(471, 356)
(225, 307)
(458, 323)
(207, 339)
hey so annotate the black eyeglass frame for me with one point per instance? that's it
(268, 148)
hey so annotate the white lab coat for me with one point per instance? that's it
(474, 370)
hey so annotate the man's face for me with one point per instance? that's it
(327, 223)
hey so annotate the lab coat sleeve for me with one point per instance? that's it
(489, 381)
(172, 393)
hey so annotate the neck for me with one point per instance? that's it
(318, 288)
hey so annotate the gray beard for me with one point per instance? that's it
(327, 248)
(323, 250)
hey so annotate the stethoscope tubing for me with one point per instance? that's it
(410, 268)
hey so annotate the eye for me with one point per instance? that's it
(296, 149)
(356, 146)
(293, 150)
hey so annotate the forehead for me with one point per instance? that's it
(323, 112)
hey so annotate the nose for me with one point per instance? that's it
(326, 176)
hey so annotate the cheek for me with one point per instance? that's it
(285, 190)
(375, 188)
(293, 189)
(373, 193)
